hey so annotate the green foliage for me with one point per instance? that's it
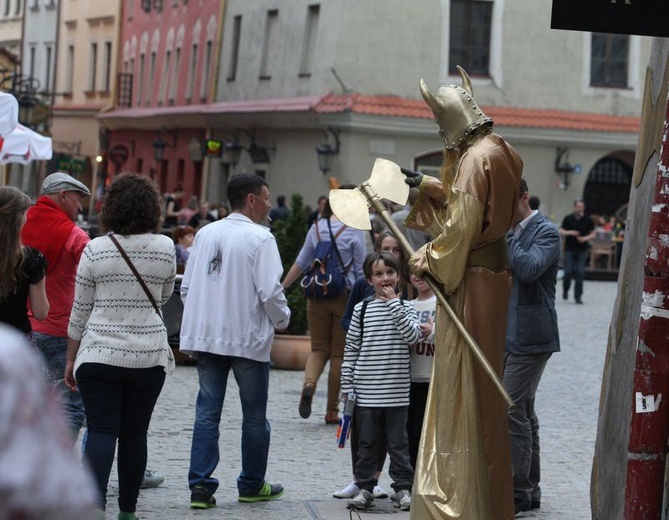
(290, 235)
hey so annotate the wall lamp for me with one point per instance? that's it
(28, 94)
(232, 150)
(159, 145)
(326, 152)
(563, 167)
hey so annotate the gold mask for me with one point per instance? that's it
(455, 110)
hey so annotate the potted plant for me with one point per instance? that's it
(292, 347)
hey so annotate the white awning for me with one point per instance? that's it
(9, 113)
(23, 146)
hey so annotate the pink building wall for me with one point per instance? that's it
(172, 52)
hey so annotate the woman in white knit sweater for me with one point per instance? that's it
(117, 347)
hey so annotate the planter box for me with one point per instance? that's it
(290, 352)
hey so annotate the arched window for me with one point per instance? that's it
(608, 186)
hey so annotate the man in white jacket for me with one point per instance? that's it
(233, 302)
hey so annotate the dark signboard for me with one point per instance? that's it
(644, 17)
(118, 154)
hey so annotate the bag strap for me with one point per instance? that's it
(135, 272)
(365, 302)
(334, 243)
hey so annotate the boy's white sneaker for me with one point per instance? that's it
(348, 492)
(362, 500)
(403, 499)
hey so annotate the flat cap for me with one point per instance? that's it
(59, 181)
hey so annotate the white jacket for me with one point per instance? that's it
(231, 290)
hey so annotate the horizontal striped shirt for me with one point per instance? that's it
(376, 360)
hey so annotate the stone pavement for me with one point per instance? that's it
(305, 459)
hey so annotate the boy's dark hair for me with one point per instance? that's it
(389, 259)
(240, 185)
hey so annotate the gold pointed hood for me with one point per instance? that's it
(455, 110)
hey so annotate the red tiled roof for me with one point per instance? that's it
(393, 106)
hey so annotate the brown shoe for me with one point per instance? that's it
(305, 400)
(332, 418)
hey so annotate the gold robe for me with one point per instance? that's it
(464, 461)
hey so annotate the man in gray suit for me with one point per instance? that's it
(531, 337)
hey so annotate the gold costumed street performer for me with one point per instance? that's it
(464, 461)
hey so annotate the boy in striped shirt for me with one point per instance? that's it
(376, 368)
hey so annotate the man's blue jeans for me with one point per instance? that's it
(574, 265)
(53, 349)
(252, 378)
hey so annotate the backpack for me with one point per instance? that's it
(325, 279)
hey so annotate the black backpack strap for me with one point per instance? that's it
(365, 302)
(334, 243)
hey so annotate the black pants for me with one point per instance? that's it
(118, 403)
(416, 414)
(372, 424)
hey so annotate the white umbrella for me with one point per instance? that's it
(23, 146)
(9, 113)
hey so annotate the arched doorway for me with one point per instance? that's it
(607, 188)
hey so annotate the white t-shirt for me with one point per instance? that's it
(422, 353)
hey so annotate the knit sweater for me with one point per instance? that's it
(376, 359)
(112, 316)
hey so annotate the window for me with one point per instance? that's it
(309, 41)
(106, 67)
(609, 60)
(270, 28)
(17, 10)
(93, 67)
(471, 22)
(33, 57)
(140, 85)
(69, 74)
(206, 72)
(49, 59)
(234, 52)
(163, 81)
(175, 76)
(152, 74)
(7, 4)
(191, 74)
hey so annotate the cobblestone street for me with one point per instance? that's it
(305, 459)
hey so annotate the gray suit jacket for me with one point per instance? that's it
(531, 326)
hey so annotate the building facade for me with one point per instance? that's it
(168, 62)
(146, 83)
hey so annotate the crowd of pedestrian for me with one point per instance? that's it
(101, 336)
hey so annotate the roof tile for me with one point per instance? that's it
(394, 106)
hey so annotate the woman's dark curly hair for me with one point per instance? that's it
(132, 206)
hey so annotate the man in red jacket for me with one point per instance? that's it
(50, 228)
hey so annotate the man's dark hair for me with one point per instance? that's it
(534, 202)
(281, 200)
(240, 185)
(389, 259)
(132, 206)
(523, 187)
